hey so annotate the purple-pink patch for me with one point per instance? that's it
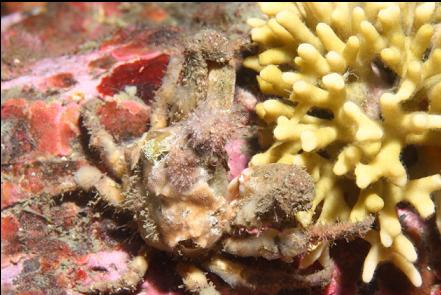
(237, 159)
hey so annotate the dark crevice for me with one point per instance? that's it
(386, 74)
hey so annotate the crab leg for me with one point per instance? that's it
(438, 211)
(340, 230)
(166, 93)
(202, 75)
(270, 245)
(273, 244)
(265, 280)
(102, 141)
(88, 177)
(136, 270)
(221, 86)
(195, 280)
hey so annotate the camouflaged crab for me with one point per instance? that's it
(174, 180)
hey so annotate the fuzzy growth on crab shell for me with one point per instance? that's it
(182, 166)
(210, 129)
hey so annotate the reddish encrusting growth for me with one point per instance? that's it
(31, 180)
(9, 226)
(11, 193)
(52, 126)
(61, 80)
(14, 108)
(155, 13)
(145, 74)
(124, 119)
(103, 62)
(133, 50)
(21, 181)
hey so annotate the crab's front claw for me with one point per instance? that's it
(267, 198)
(270, 195)
(270, 244)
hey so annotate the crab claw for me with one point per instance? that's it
(271, 194)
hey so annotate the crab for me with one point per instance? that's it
(174, 181)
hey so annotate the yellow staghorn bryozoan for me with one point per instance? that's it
(352, 85)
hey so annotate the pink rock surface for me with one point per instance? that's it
(104, 266)
(237, 159)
